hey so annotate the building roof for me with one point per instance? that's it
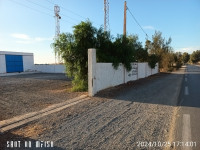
(14, 53)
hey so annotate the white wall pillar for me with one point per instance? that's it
(91, 71)
(2, 64)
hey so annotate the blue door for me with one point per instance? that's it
(14, 63)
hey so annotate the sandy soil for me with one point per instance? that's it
(31, 92)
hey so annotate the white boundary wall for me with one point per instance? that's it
(45, 68)
(103, 75)
(28, 63)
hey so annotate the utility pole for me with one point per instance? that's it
(57, 29)
(106, 15)
(124, 32)
(57, 18)
(125, 8)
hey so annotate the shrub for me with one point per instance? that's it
(73, 49)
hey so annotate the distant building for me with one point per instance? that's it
(16, 62)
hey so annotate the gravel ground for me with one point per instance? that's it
(25, 93)
(117, 118)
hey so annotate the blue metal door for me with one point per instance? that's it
(14, 63)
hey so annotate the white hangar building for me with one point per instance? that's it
(16, 62)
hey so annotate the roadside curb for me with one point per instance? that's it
(17, 121)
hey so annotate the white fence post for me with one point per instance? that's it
(91, 71)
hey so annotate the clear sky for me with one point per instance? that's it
(29, 25)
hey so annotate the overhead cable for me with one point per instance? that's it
(137, 22)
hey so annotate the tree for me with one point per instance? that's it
(195, 56)
(124, 50)
(73, 49)
(185, 57)
(152, 60)
(178, 59)
(162, 49)
(140, 53)
(104, 46)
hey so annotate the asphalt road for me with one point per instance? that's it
(187, 133)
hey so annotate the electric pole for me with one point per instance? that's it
(57, 18)
(57, 29)
(125, 8)
(124, 31)
(106, 15)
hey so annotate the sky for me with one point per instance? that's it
(29, 25)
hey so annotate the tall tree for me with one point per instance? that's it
(195, 56)
(185, 57)
(73, 49)
(162, 49)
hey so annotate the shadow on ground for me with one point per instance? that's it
(162, 88)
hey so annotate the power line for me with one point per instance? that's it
(39, 5)
(69, 17)
(36, 10)
(68, 10)
(137, 22)
(51, 10)
(85, 18)
(16, 2)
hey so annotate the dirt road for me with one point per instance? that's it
(117, 118)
